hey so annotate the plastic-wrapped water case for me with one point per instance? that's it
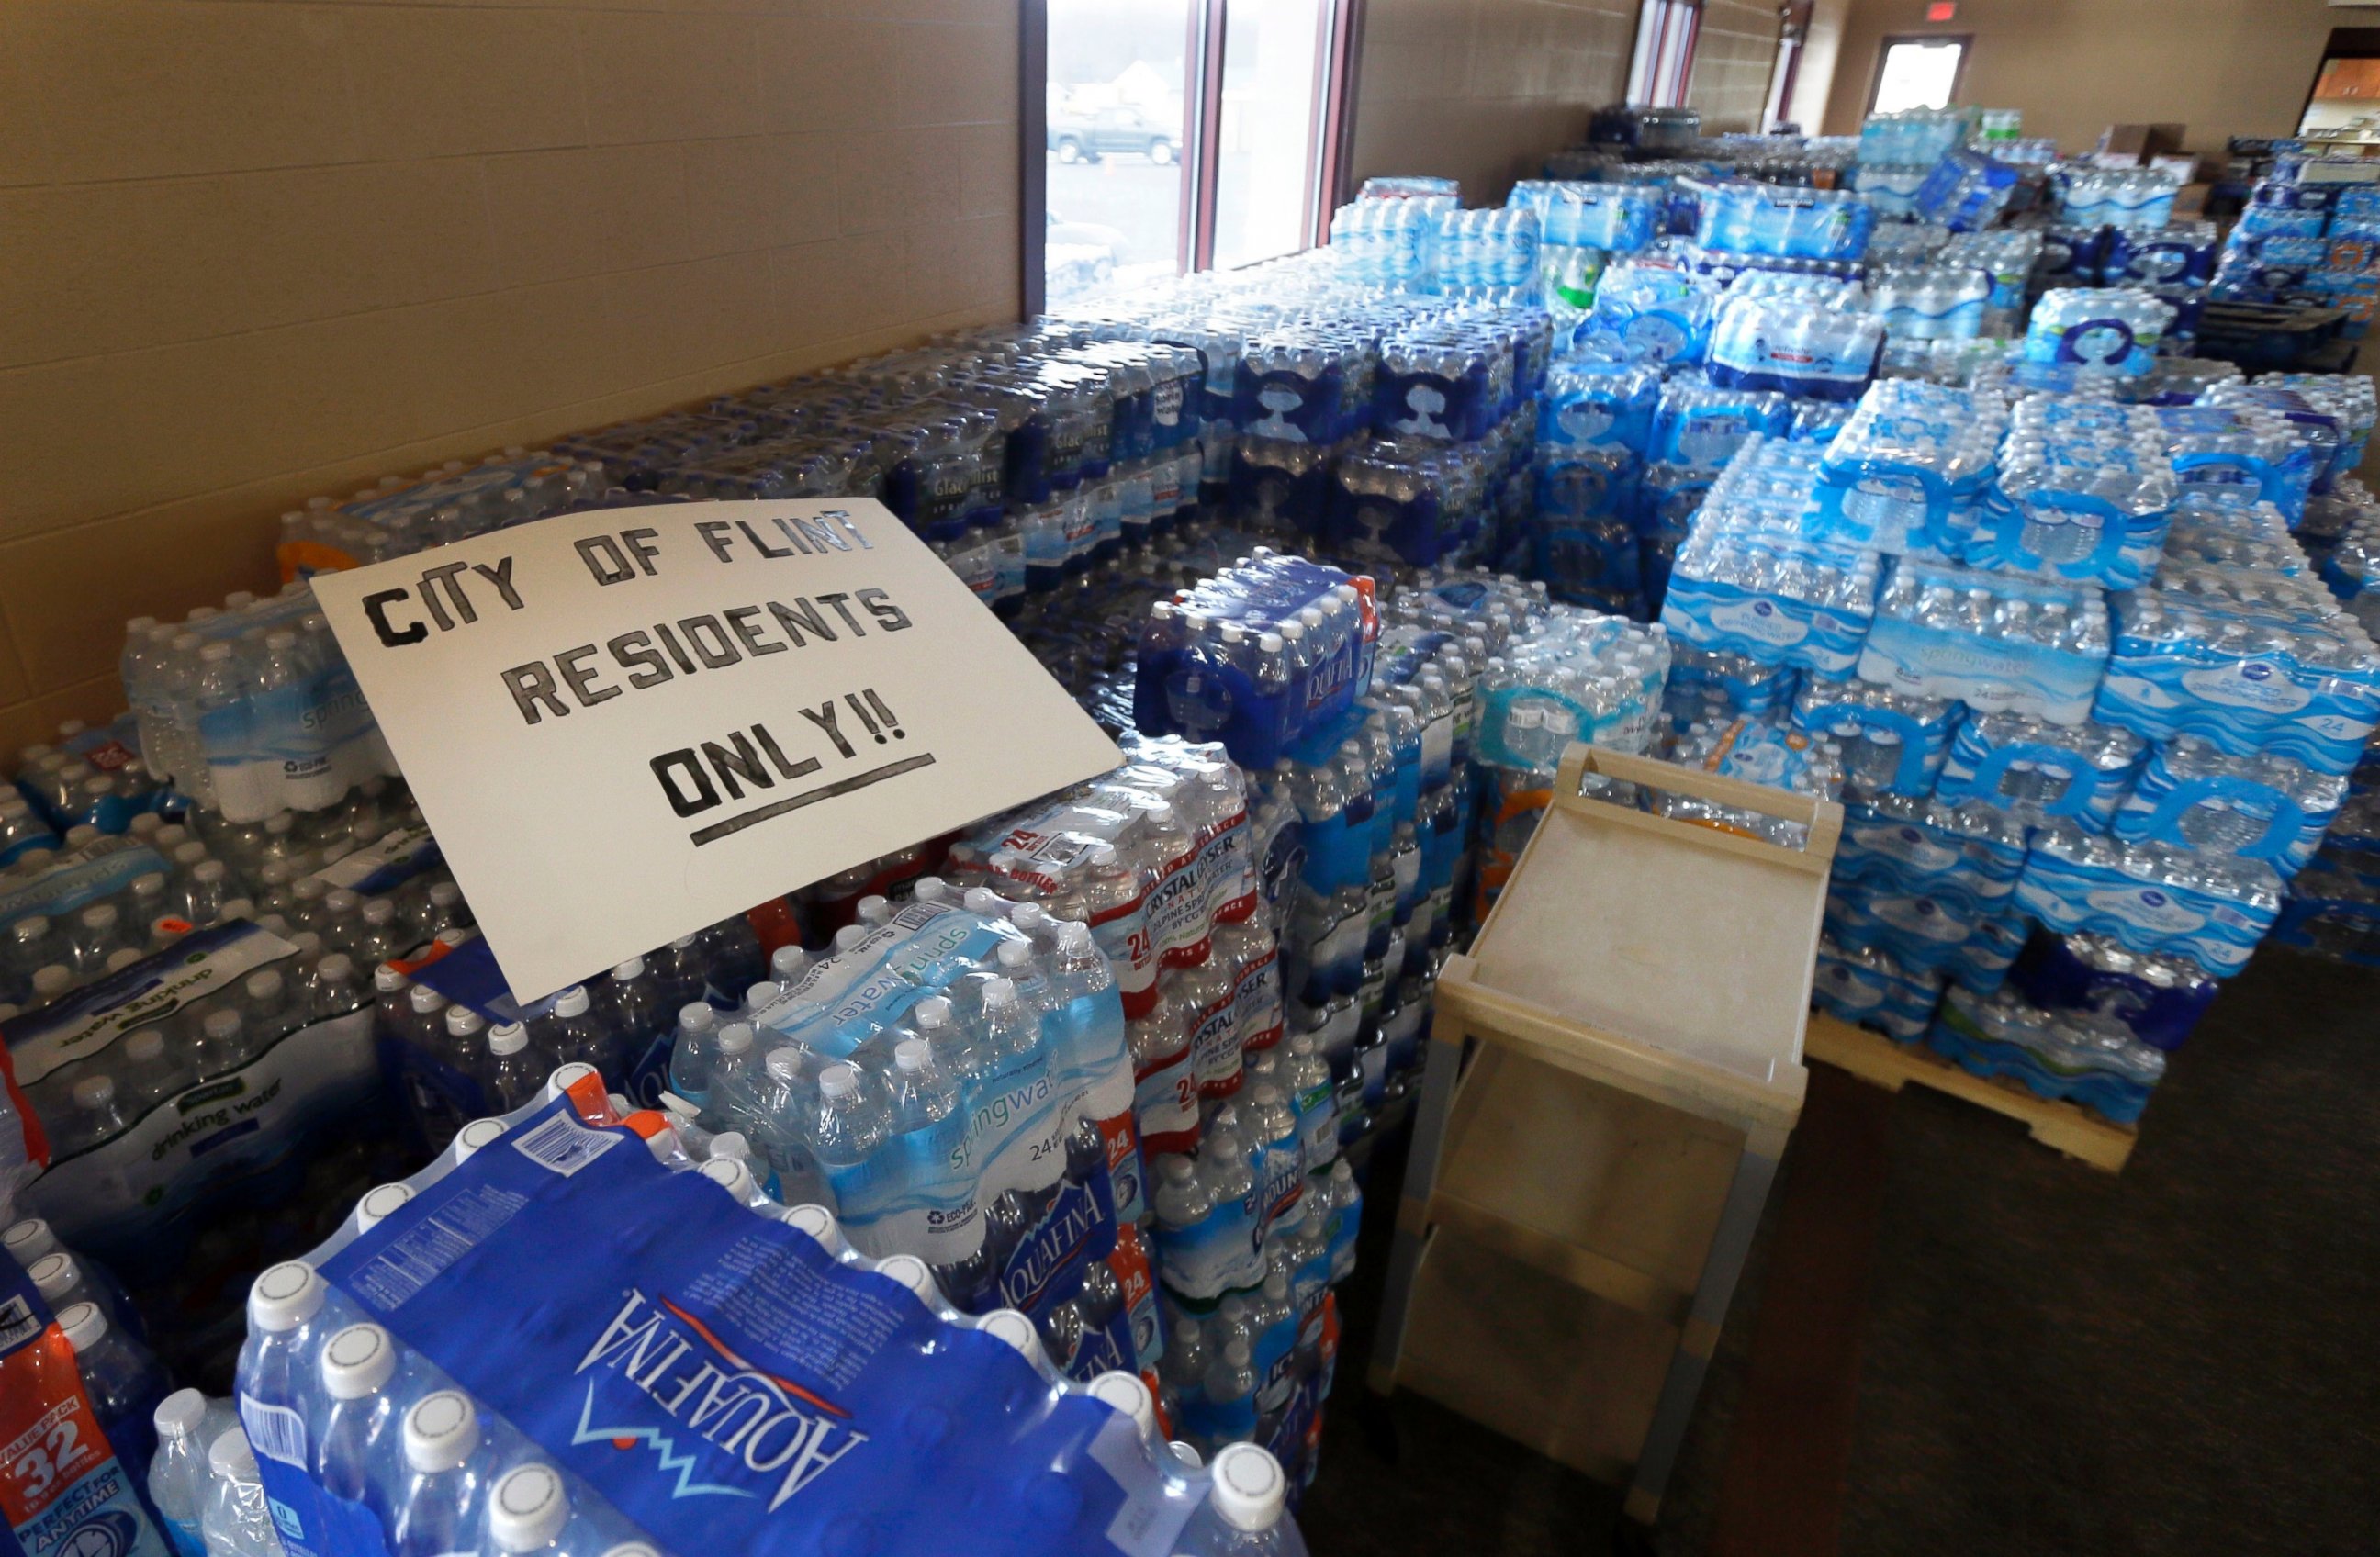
(1279, 486)
(1867, 988)
(1914, 137)
(2265, 807)
(1794, 347)
(2060, 1058)
(2112, 329)
(1215, 664)
(1647, 313)
(2349, 397)
(1891, 190)
(2239, 534)
(1927, 933)
(2319, 421)
(2184, 251)
(1791, 223)
(2140, 197)
(1598, 405)
(1891, 744)
(1966, 191)
(2252, 662)
(1704, 425)
(2152, 896)
(1748, 581)
(1705, 684)
(1965, 856)
(2157, 999)
(2097, 516)
(2246, 446)
(1909, 467)
(1758, 752)
(1618, 218)
(825, 1412)
(1993, 642)
(2039, 773)
(1932, 302)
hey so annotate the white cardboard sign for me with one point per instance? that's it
(626, 724)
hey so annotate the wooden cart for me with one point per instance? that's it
(1579, 1199)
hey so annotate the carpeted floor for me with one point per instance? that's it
(2182, 1359)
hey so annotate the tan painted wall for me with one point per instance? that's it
(254, 251)
(2222, 67)
(1482, 90)
(1735, 52)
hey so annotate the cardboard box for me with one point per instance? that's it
(2142, 141)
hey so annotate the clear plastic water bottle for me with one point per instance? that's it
(178, 1472)
(236, 1520)
(446, 1478)
(124, 1380)
(354, 1458)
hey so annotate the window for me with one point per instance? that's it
(1179, 134)
(1917, 73)
(1664, 61)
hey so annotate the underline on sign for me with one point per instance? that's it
(718, 830)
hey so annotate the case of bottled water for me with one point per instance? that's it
(1890, 744)
(1963, 855)
(2070, 1056)
(1616, 218)
(1649, 313)
(1891, 190)
(1993, 642)
(1749, 581)
(76, 1396)
(1932, 302)
(398, 1404)
(1966, 191)
(2265, 807)
(1592, 404)
(2152, 896)
(2038, 772)
(2251, 662)
(1386, 242)
(1909, 468)
(1799, 348)
(2115, 330)
(1743, 218)
(1217, 665)
(1705, 684)
(2074, 513)
(1867, 988)
(1914, 135)
(1489, 254)
(2208, 527)
(2180, 251)
(1927, 933)
(1704, 425)
(2158, 999)
(2138, 197)
(1757, 751)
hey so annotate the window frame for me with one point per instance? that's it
(1656, 78)
(1331, 133)
(1885, 45)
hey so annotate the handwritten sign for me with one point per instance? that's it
(626, 724)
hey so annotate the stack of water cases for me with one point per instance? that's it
(701, 1365)
(2074, 677)
(2305, 240)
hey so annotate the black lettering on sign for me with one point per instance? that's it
(376, 610)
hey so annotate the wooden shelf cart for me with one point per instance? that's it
(1579, 1199)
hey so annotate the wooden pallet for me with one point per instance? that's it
(1879, 1061)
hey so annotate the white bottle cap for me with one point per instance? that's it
(440, 1432)
(357, 1361)
(52, 981)
(388, 980)
(462, 1022)
(760, 994)
(94, 1092)
(1008, 1325)
(527, 1508)
(632, 1548)
(787, 963)
(911, 1053)
(933, 1011)
(634, 967)
(1249, 1490)
(479, 1134)
(53, 1275)
(731, 1176)
(849, 935)
(818, 1222)
(220, 1026)
(571, 1002)
(232, 1457)
(696, 1016)
(284, 1297)
(1073, 935)
(910, 1273)
(507, 1038)
(264, 987)
(338, 968)
(999, 992)
(179, 1414)
(1013, 954)
(85, 1326)
(981, 900)
(731, 1143)
(1128, 1395)
(783, 1065)
(838, 1081)
(378, 912)
(28, 1241)
(380, 1203)
(568, 1076)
